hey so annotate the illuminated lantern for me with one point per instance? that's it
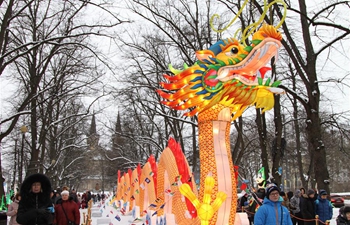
(226, 79)
(205, 210)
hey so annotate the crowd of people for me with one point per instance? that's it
(271, 206)
(38, 204)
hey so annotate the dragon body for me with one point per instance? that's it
(227, 78)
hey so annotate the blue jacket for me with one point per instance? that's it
(266, 214)
(324, 209)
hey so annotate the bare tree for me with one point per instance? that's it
(147, 56)
(36, 37)
(304, 58)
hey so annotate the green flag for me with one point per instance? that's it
(8, 198)
(2, 206)
(261, 173)
(261, 180)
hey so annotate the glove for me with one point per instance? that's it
(51, 209)
(42, 211)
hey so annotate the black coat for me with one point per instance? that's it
(342, 221)
(33, 208)
(307, 208)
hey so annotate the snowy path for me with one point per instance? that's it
(106, 216)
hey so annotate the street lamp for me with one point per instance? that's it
(15, 166)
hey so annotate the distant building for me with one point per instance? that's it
(99, 176)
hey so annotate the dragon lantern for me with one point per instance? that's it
(226, 79)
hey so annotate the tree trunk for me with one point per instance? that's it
(277, 148)
(261, 124)
(238, 148)
(297, 137)
(34, 81)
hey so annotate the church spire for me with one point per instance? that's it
(93, 137)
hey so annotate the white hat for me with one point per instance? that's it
(65, 192)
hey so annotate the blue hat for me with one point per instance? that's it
(323, 192)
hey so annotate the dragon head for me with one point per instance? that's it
(228, 73)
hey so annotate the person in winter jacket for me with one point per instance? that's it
(285, 201)
(323, 207)
(254, 203)
(307, 207)
(35, 207)
(66, 209)
(272, 211)
(295, 207)
(344, 216)
(58, 198)
(13, 208)
(88, 196)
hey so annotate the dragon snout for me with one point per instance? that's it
(253, 65)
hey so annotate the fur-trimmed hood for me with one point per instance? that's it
(43, 196)
(33, 207)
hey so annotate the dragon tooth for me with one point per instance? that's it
(263, 51)
(223, 73)
(277, 55)
(276, 90)
(227, 78)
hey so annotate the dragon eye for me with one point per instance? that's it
(234, 50)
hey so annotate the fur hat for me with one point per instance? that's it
(341, 210)
(310, 192)
(346, 209)
(44, 181)
(270, 189)
(43, 196)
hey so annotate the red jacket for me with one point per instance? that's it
(71, 209)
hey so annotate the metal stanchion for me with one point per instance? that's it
(84, 218)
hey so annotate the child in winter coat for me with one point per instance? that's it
(307, 207)
(13, 208)
(272, 212)
(323, 207)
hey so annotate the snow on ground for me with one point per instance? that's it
(106, 215)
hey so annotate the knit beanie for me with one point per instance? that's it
(310, 192)
(65, 192)
(271, 189)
